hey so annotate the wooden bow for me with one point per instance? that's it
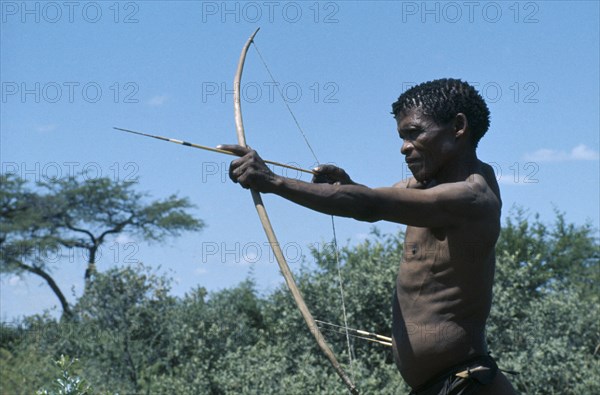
(266, 223)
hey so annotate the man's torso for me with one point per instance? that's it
(443, 296)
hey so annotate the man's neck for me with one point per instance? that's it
(459, 169)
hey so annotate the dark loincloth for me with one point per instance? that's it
(475, 373)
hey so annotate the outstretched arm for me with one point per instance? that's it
(443, 205)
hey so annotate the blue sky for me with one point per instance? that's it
(70, 72)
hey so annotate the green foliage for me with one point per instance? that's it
(69, 382)
(24, 368)
(78, 212)
(90, 208)
(544, 321)
(26, 232)
(563, 256)
(123, 317)
(131, 336)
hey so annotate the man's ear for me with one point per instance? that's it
(461, 126)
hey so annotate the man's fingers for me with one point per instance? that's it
(232, 175)
(249, 170)
(237, 171)
(237, 166)
(321, 174)
(330, 174)
(235, 149)
(325, 168)
(239, 176)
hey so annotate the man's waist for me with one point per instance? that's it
(481, 369)
(421, 356)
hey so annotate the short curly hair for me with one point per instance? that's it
(444, 98)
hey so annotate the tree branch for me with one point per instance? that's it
(61, 297)
(74, 229)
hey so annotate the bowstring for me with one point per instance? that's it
(335, 243)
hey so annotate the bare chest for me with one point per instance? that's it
(427, 266)
(441, 266)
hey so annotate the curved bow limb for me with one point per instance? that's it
(266, 223)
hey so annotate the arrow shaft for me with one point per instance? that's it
(204, 147)
(358, 331)
(351, 334)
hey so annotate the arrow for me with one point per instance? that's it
(220, 151)
(374, 337)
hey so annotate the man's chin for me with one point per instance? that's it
(418, 171)
(420, 177)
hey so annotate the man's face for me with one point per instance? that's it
(428, 146)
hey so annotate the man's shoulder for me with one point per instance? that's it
(477, 196)
(488, 181)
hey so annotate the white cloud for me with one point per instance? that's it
(17, 282)
(45, 128)
(580, 152)
(14, 281)
(157, 101)
(123, 238)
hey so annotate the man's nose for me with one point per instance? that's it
(407, 147)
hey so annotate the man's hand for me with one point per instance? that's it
(330, 174)
(250, 171)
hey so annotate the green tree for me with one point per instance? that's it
(544, 322)
(234, 341)
(122, 329)
(26, 362)
(82, 213)
(69, 383)
(131, 336)
(27, 235)
(555, 256)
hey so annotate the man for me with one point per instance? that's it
(451, 207)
